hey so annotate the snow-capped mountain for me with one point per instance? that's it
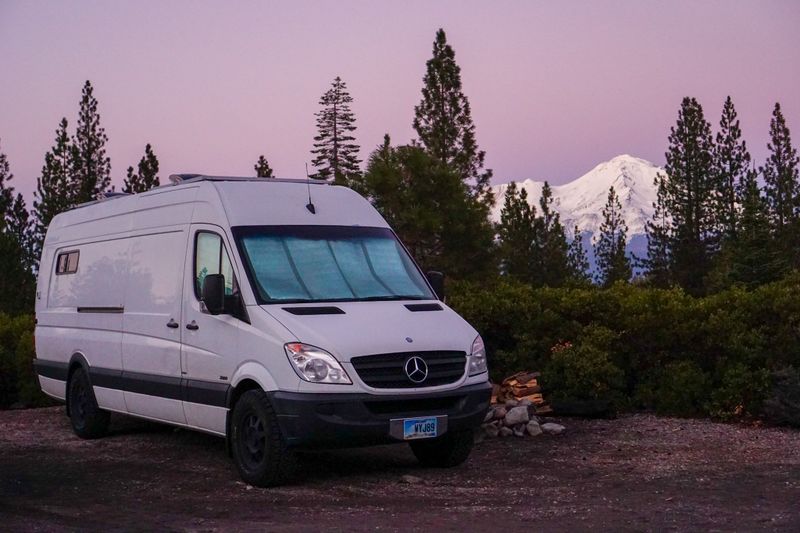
(581, 201)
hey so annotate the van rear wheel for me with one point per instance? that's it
(88, 420)
(446, 451)
(259, 450)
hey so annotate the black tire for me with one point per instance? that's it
(259, 450)
(446, 451)
(88, 420)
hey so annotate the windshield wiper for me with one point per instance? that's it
(391, 298)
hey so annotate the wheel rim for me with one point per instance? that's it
(253, 443)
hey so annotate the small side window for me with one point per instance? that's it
(210, 257)
(67, 262)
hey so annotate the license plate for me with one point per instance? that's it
(420, 428)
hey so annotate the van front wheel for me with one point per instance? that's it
(88, 420)
(259, 450)
(446, 451)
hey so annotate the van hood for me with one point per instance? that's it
(352, 329)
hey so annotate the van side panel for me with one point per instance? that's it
(83, 311)
(152, 323)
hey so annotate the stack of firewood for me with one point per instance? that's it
(521, 386)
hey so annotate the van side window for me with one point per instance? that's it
(67, 262)
(210, 257)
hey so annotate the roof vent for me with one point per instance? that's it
(177, 179)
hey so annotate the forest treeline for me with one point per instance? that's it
(723, 223)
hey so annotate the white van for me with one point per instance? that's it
(278, 314)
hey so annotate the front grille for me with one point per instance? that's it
(387, 371)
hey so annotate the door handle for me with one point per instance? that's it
(192, 326)
(172, 324)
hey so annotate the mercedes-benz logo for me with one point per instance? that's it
(416, 369)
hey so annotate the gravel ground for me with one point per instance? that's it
(638, 472)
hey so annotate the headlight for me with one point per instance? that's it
(477, 359)
(315, 364)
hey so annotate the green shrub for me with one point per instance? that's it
(584, 371)
(18, 382)
(682, 389)
(740, 392)
(782, 405)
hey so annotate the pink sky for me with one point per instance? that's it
(555, 87)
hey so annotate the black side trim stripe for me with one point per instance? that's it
(423, 307)
(173, 388)
(325, 310)
(101, 309)
(51, 369)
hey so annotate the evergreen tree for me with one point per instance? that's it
(336, 154)
(612, 263)
(689, 189)
(262, 168)
(657, 263)
(6, 191)
(54, 192)
(17, 282)
(431, 210)
(755, 258)
(553, 269)
(731, 166)
(147, 176)
(578, 260)
(443, 121)
(517, 233)
(780, 174)
(91, 169)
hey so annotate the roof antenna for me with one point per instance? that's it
(310, 204)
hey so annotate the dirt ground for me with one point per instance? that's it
(638, 472)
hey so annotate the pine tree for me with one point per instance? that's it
(6, 191)
(612, 263)
(17, 282)
(262, 168)
(577, 259)
(780, 174)
(755, 258)
(147, 176)
(657, 229)
(54, 192)
(443, 121)
(517, 233)
(553, 269)
(689, 189)
(731, 166)
(431, 210)
(91, 169)
(334, 147)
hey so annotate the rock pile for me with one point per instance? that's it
(516, 418)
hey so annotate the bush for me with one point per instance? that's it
(717, 349)
(682, 389)
(782, 405)
(18, 382)
(584, 371)
(740, 392)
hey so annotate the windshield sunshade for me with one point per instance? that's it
(328, 263)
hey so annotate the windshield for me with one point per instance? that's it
(328, 263)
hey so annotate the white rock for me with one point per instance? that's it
(525, 402)
(552, 429)
(517, 415)
(519, 430)
(500, 412)
(491, 430)
(511, 403)
(489, 415)
(533, 428)
(505, 432)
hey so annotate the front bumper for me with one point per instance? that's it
(344, 420)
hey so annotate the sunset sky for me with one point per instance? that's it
(555, 87)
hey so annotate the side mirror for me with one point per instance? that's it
(214, 293)
(436, 279)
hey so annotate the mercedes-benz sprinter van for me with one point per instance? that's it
(277, 314)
